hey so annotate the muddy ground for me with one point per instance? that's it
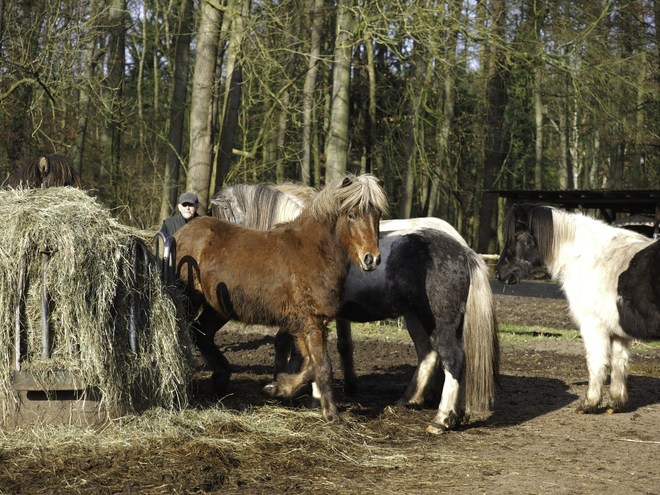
(533, 442)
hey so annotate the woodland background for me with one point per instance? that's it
(443, 99)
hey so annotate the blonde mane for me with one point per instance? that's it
(364, 192)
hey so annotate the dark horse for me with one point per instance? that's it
(429, 276)
(291, 277)
(48, 171)
(610, 278)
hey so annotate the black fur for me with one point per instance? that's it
(639, 295)
(528, 232)
(427, 274)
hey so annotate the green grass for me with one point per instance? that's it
(386, 329)
(509, 334)
(516, 333)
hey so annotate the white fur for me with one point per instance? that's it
(587, 259)
(404, 226)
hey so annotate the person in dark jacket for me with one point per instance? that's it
(188, 206)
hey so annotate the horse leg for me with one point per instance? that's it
(284, 349)
(314, 348)
(345, 349)
(598, 349)
(451, 410)
(427, 359)
(618, 390)
(313, 345)
(204, 330)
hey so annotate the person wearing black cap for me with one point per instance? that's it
(188, 206)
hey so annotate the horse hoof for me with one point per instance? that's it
(331, 416)
(582, 409)
(436, 428)
(271, 389)
(350, 389)
(219, 384)
(415, 406)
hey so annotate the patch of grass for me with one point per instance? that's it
(645, 345)
(515, 333)
(386, 329)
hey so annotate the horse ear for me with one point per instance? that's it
(43, 166)
(346, 182)
(381, 183)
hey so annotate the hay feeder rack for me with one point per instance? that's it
(61, 380)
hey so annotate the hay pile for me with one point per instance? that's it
(89, 281)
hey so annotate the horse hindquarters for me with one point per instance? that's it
(470, 366)
(639, 294)
(638, 305)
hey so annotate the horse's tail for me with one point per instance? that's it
(480, 340)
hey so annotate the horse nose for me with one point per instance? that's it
(497, 275)
(370, 261)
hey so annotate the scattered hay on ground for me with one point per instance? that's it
(89, 280)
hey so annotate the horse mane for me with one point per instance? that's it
(265, 206)
(364, 191)
(301, 191)
(539, 220)
(52, 170)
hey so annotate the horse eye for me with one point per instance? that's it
(351, 215)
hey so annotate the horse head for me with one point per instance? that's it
(54, 170)
(356, 203)
(526, 242)
(225, 206)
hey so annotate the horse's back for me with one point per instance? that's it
(400, 226)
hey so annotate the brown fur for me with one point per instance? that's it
(291, 277)
(47, 171)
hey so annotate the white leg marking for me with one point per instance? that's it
(618, 390)
(598, 348)
(316, 395)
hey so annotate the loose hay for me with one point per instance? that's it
(89, 283)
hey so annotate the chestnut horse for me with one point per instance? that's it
(47, 171)
(291, 277)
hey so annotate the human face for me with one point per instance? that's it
(188, 210)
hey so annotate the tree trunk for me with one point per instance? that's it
(83, 98)
(178, 110)
(638, 159)
(496, 94)
(201, 108)
(563, 141)
(228, 117)
(2, 18)
(538, 118)
(414, 95)
(595, 160)
(114, 97)
(447, 119)
(337, 156)
(308, 91)
(375, 157)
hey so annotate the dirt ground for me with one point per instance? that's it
(533, 442)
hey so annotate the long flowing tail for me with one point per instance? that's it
(480, 340)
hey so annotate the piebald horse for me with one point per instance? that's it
(610, 277)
